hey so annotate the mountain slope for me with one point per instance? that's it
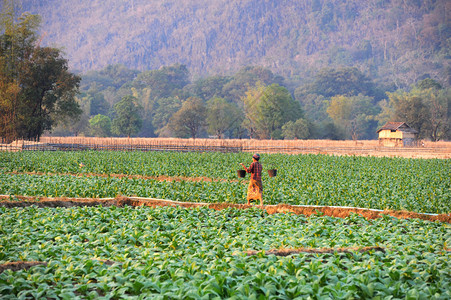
(394, 41)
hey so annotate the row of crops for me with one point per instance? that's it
(380, 183)
(176, 253)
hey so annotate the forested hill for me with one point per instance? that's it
(393, 41)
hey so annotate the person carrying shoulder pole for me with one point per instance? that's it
(255, 189)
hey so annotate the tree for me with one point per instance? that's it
(328, 130)
(164, 82)
(165, 108)
(97, 103)
(409, 108)
(48, 93)
(439, 104)
(426, 108)
(189, 119)
(354, 114)
(428, 83)
(314, 106)
(147, 107)
(114, 76)
(118, 74)
(128, 120)
(347, 81)
(290, 37)
(222, 116)
(36, 87)
(79, 126)
(296, 130)
(100, 125)
(248, 77)
(267, 109)
(210, 87)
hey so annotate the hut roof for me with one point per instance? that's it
(402, 126)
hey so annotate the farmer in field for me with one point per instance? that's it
(255, 189)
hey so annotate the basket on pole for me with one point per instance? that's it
(272, 172)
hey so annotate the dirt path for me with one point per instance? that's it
(341, 212)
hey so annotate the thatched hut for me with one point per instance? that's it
(397, 134)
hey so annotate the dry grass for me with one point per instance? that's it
(441, 150)
(367, 144)
(212, 142)
(362, 148)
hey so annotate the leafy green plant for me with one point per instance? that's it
(112, 252)
(381, 183)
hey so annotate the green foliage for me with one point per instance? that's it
(347, 81)
(169, 252)
(118, 74)
(248, 77)
(328, 130)
(97, 103)
(354, 114)
(296, 130)
(166, 107)
(428, 83)
(37, 89)
(210, 87)
(267, 109)
(111, 76)
(152, 87)
(367, 182)
(222, 117)
(314, 106)
(100, 126)
(425, 108)
(164, 82)
(128, 120)
(189, 120)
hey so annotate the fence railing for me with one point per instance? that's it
(119, 147)
(157, 147)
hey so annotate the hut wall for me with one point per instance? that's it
(409, 135)
(388, 134)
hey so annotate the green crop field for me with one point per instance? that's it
(417, 185)
(199, 253)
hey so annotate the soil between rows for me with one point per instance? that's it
(131, 176)
(20, 265)
(25, 265)
(121, 201)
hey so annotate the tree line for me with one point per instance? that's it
(341, 103)
(39, 94)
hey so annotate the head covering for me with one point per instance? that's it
(256, 156)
